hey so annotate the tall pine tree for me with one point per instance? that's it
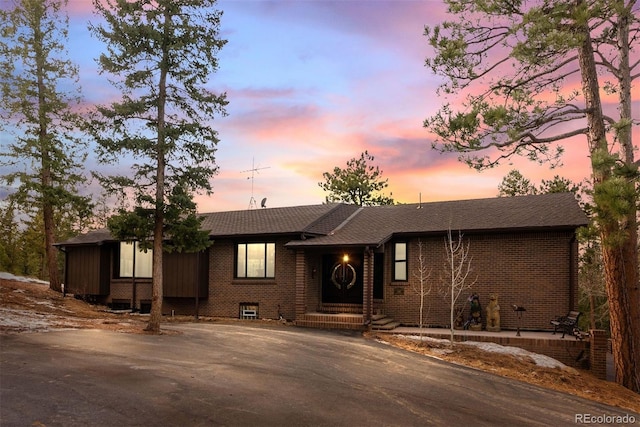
(161, 54)
(44, 154)
(360, 183)
(531, 74)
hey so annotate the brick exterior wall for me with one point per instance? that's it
(274, 297)
(598, 349)
(367, 304)
(122, 289)
(314, 280)
(534, 270)
(301, 287)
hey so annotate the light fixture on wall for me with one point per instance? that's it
(345, 262)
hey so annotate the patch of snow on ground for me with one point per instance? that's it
(26, 320)
(425, 338)
(9, 276)
(539, 359)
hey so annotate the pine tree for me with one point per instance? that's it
(515, 184)
(45, 156)
(359, 183)
(161, 54)
(513, 63)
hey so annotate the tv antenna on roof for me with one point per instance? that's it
(254, 170)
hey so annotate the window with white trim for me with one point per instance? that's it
(131, 255)
(400, 261)
(256, 260)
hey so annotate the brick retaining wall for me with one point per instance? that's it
(589, 353)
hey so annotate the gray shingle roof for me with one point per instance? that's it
(340, 224)
(93, 237)
(374, 225)
(311, 219)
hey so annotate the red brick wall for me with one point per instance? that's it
(314, 280)
(530, 269)
(273, 296)
(533, 270)
(301, 284)
(122, 289)
(598, 353)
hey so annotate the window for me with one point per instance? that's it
(130, 255)
(256, 260)
(400, 261)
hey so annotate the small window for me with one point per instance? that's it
(131, 255)
(400, 261)
(256, 260)
(248, 310)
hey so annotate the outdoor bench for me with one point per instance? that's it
(568, 324)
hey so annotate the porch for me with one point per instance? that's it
(334, 316)
(351, 321)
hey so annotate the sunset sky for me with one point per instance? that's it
(312, 84)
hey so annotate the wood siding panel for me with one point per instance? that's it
(182, 271)
(87, 270)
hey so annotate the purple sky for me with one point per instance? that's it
(312, 84)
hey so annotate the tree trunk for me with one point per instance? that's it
(46, 182)
(158, 235)
(629, 249)
(592, 310)
(50, 250)
(624, 333)
(156, 287)
(617, 256)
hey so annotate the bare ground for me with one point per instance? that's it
(30, 307)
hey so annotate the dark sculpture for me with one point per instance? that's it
(475, 314)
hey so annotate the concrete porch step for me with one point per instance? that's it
(386, 327)
(381, 322)
(329, 325)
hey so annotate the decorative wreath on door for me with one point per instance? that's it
(334, 278)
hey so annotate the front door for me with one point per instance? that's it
(342, 278)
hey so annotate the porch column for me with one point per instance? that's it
(367, 297)
(301, 284)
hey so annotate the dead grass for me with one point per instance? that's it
(41, 309)
(37, 305)
(572, 381)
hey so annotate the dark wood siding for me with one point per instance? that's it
(88, 269)
(182, 271)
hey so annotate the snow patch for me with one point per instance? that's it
(9, 276)
(539, 359)
(26, 320)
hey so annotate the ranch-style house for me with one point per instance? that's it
(341, 265)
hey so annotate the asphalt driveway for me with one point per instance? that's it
(238, 375)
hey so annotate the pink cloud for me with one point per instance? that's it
(82, 8)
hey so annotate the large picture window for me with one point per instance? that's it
(131, 255)
(256, 260)
(400, 261)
